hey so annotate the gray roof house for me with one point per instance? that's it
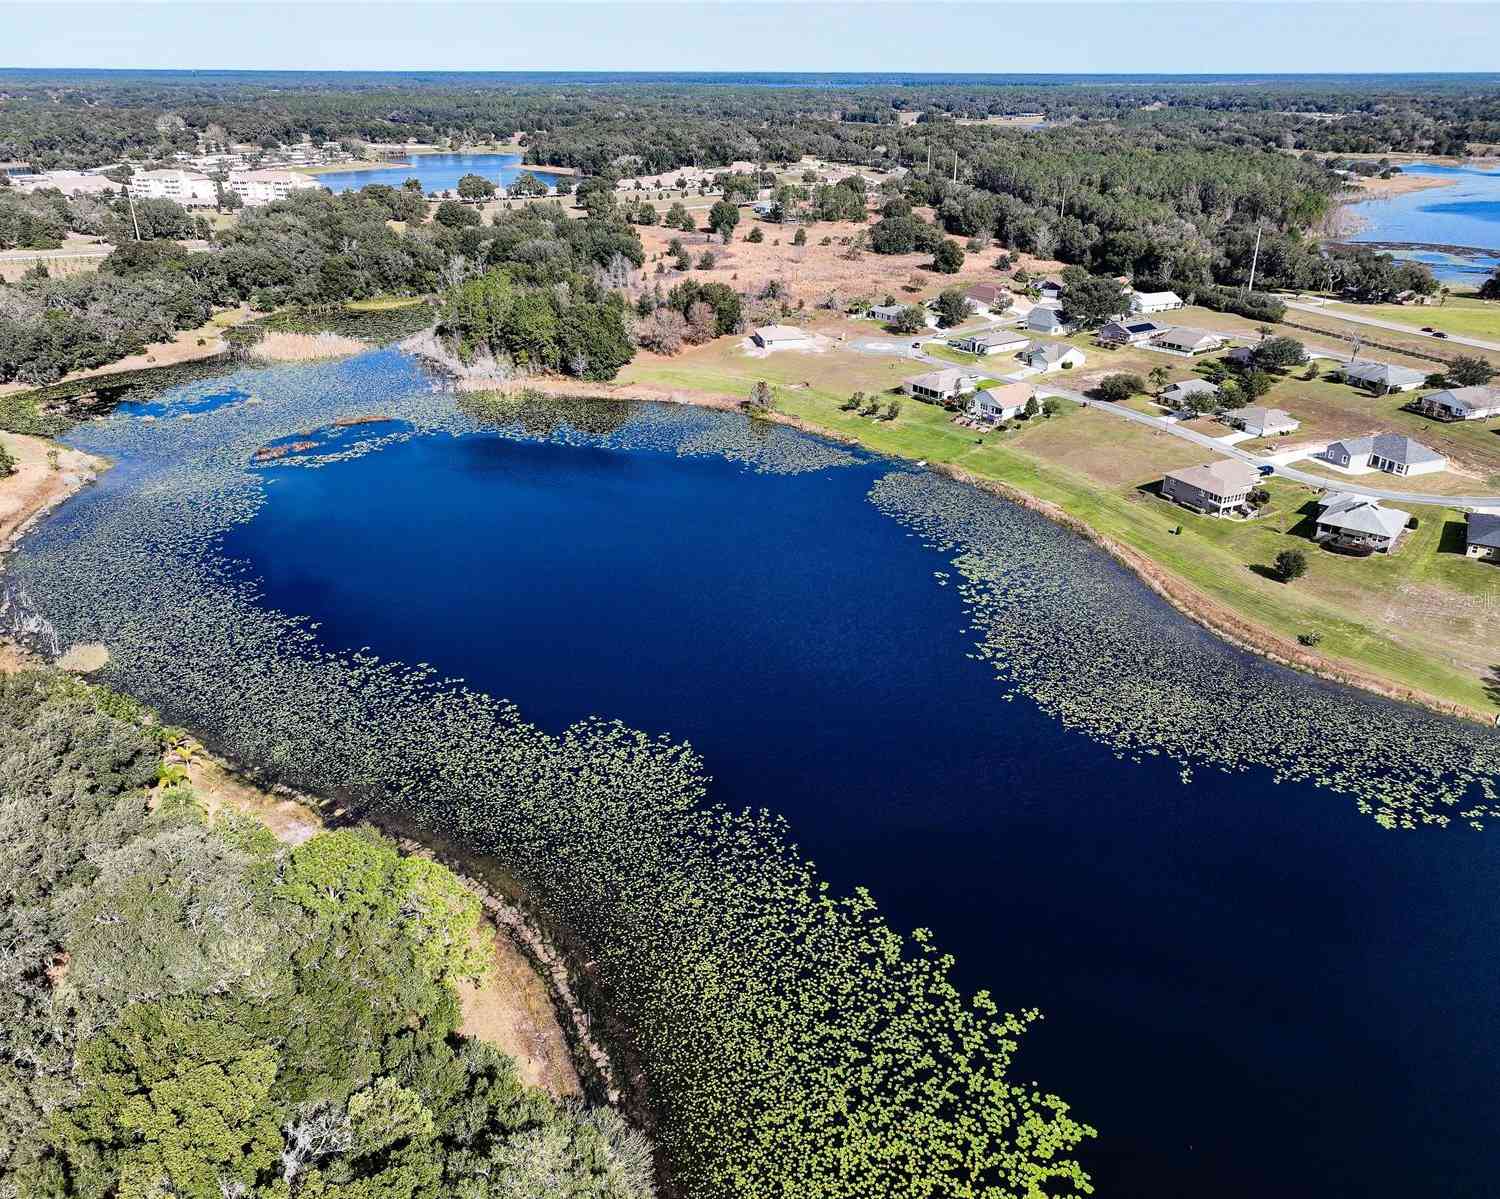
(1262, 422)
(1001, 403)
(1380, 377)
(1050, 288)
(1358, 522)
(886, 312)
(1178, 393)
(1183, 340)
(769, 337)
(1482, 535)
(1216, 488)
(939, 387)
(1393, 453)
(1052, 356)
(1046, 319)
(1462, 403)
(996, 341)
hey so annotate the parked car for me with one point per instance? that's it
(1440, 333)
(1428, 329)
(1264, 471)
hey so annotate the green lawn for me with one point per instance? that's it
(1464, 315)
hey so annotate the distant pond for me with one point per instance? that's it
(437, 172)
(1251, 987)
(1465, 213)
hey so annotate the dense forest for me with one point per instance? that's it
(193, 1008)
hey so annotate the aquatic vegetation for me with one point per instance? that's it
(793, 1042)
(1066, 626)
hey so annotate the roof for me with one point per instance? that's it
(1483, 528)
(987, 293)
(1192, 387)
(1361, 514)
(780, 333)
(1396, 447)
(1051, 281)
(1157, 297)
(1052, 351)
(1184, 336)
(1135, 328)
(1045, 314)
(1241, 354)
(171, 173)
(1226, 476)
(887, 309)
(1367, 370)
(1467, 399)
(943, 380)
(1264, 418)
(1012, 395)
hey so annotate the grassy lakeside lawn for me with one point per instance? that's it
(1463, 315)
(1422, 619)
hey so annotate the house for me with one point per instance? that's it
(1179, 393)
(1393, 453)
(1358, 522)
(779, 337)
(988, 297)
(1128, 332)
(1154, 301)
(187, 188)
(1380, 377)
(984, 344)
(940, 387)
(1050, 289)
(886, 312)
(1183, 340)
(1045, 318)
(1263, 422)
(995, 404)
(263, 187)
(1053, 356)
(1242, 357)
(1216, 488)
(1462, 403)
(1482, 535)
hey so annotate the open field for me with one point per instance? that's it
(1463, 315)
(1422, 619)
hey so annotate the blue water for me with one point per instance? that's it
(437, 172)
(1251, 989)
(1464, 213)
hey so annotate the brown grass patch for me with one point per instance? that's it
(307, 347)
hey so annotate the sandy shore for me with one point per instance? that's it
(1376, 188)
(36, 487)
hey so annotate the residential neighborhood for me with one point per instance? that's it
(1220, 488)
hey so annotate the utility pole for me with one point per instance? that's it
(955, 166)
(1254, 259)
(131, 201)
(929, 155)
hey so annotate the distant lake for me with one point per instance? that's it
(436, 172)
(1464, 213)
(1251, 988)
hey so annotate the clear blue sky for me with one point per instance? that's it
(1000, 37)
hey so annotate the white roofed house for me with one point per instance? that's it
(1462, 403)
(995, 404)
(1393, 453)
(1183, 340)
(1053, 356)
(1380, 377)
(1219, 488)
(264, 187)
(1179, 393)
(886, 312)
(780, 337)
(187, 188)
(999, 341)
(1262, 422)
(1154, 301)
(940, 387)
(1358, 523)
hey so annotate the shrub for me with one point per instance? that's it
(1290, 564)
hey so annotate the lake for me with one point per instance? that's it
(1466, 213)
(1250, 987)
(437, 172)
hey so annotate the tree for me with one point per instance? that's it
(800, 238)
(892, 410)
(475, 187)
(761, 396)
(952, 307)
(1279, 353)
(948, 257)
(7, 462)
(678, 218)
(1119, 388)
(723, 217)
(527, 184)
(894, 235)
(1090, 300)
(1158, 376)
(911, 319)
(755, 236)
(1290, 564)
(1031, 409)
(1490, 288)
(707, 261)
(1469, 371)
(453, 214)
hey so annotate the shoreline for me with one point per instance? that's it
(1202, 609)
(1343, 221)
(37, 488)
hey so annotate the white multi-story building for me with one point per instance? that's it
(188, 188)
(262, 187)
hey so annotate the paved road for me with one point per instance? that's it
(1394, 326)
(1282, 471)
